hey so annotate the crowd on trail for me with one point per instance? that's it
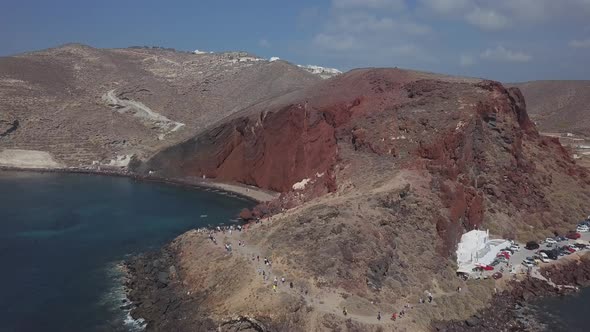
(228, 247)
(276, 283)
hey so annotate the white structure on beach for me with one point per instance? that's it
(476, 248)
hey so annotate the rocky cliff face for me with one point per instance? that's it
(474, 138)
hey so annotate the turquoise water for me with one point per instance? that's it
(63, 236)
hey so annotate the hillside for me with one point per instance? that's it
(87, 107)
(381, 171)
(558, 106)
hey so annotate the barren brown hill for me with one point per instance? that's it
(558, 106)
(381, 171)
(88, 107)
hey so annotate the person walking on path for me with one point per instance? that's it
(344, 311)
(379, 316)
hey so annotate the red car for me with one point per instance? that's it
(570, 249)
(504, 253)
(487, 267)
(573, 235)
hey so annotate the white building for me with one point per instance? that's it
(476, 248)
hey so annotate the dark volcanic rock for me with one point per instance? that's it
(8, 124)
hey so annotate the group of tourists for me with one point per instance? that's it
(402, 313)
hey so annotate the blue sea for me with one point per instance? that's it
(63, 237)
(569, 313)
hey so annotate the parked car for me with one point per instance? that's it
(551, 254)
(497, 275)
(582, 229)
(503, 254)
(550, 240)
(532, 245)
(515, 247)
(486, 267)
(510, 251)
(528, 264)
(573, 235)
(573, 247)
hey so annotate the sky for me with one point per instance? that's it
(505, 40)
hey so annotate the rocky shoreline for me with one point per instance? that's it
(161, 300)
(510, 310)
(244, 191)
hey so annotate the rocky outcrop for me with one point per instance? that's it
(574, 272)
(8, 124)
(273, 151)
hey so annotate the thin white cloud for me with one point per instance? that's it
(264, 43)
(331, 42)
(446, 7)
(505, 55)
(487, 19)
(466, 60)
(584, 43)
(396, 5)
(500, 14)
(355, 22)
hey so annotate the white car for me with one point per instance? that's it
(550, 240)
(515, 247)
(582, 229)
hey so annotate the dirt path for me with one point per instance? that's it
(326, 302)
(148, 117)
